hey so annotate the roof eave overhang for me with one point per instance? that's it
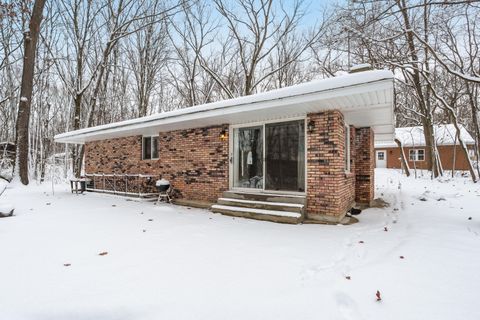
(283, 107)
(394, 145)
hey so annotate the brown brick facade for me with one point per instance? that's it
(195, 161)
(330, 189)
(365, 165)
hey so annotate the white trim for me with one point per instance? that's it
(383, 155)
(151, 146)
(257, 124)
(384, 151)
(348, 168)
(390, 145)
(373, 91)
(305, 135)
(230, 157)
(415, 154)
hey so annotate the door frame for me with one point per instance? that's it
(384, 157)
(231, 155)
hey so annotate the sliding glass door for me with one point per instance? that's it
(270, 157)
(248, 157)
(285, 156)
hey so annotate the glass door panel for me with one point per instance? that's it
(248, 157)
(285, 156)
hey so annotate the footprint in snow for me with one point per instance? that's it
(346, 307)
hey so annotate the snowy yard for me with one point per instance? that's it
(168, 262)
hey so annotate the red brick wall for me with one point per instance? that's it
(330, 190)
(365, 165)
(446, 157)
(195, 161)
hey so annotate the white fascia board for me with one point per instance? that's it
(221, 110)
(446, 144)
(385, 145)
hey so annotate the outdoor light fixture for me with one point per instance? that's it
(223, 135)
(311, 126)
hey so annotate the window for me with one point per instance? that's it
(381, 155)
(417, 154)
(347, 148)
(150, 148)
(471, 154)
(420, 154)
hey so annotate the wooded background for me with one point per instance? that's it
(100, 61)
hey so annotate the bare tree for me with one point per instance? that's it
(74, 60)
(147, 54)
(405, 165)
(257, 28)
(121, 20)
(406, 37)
(189, 35)
(30, 45)
(10, 55)
(104, 61)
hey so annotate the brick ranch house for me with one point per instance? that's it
(387, 153)
(298, 154)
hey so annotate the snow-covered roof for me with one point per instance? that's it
(365, 98)
(413, 136)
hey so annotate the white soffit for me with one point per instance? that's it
(365, 99)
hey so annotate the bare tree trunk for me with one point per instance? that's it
(30, 38)
(402, 157)
(465, 151)
(463, 146)
(475, 112)
(454, 156)
(424, 107)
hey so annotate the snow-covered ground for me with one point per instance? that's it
(172, 262)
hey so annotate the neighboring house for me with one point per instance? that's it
(299, 153)
(387, 153)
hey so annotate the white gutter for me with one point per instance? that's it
(275, 100)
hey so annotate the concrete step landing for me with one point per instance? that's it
(269, 207)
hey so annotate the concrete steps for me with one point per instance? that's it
(261, 206)
(278, 206)
(270, 197)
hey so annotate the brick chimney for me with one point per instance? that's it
(361, 67)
